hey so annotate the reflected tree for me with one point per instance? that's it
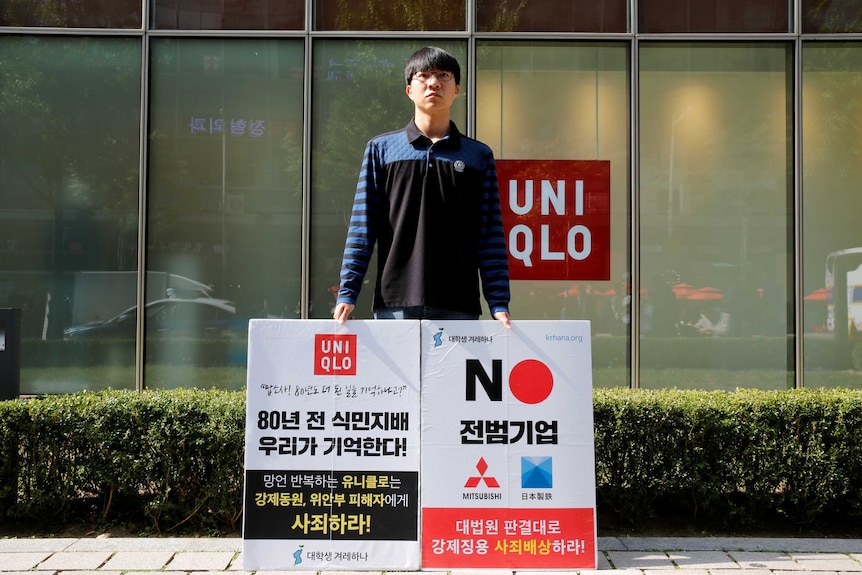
(66, 14)
(369, 100)
(399, 15)
(831, 16)
(69, 119)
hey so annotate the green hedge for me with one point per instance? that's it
(173, 460)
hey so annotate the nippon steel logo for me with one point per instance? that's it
(334, 354)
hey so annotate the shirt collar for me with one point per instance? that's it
(453, 138)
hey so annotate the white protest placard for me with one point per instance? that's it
(508, 460)
(332, 446)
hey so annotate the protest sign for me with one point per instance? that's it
(332, 446)
(508, 462)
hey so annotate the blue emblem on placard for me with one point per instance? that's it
(537, 472)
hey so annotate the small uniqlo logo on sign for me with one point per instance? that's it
(334, 354)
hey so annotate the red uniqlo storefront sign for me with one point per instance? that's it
(557, 218)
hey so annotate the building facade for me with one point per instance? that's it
(156, 153)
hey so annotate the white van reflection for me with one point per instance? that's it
(171, 317)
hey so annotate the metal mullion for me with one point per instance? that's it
(305, 222)
(798, 303)
(634, 207)
(142, 214)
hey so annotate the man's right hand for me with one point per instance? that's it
(342, 312)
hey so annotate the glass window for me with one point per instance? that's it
(566, 101)
(69, 156)
(66, 14)
(381, 15)
(552, 16)
(832, 247)
(713, 16)
(225, 196)
(228, 15)
(831, 16)
(716, 215)
(359, 92)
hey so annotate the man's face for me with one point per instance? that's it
(433, 91)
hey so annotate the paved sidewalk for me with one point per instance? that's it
(626, 555)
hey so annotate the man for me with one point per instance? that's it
(428, 197)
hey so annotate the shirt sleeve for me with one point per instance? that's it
(362, 231)
(493, 255)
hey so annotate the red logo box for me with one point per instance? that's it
(334, 354)
(557, 218)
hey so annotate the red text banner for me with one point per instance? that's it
(519, 538)
(557, 218)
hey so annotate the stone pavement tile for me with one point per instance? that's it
(603, 562)
(468, 572)
(639, 560)
(827, 561)
(610, 544)
(801, 545)
(703, 560)
(175, 544)
(765, 560)
(77, 561)
(746, 572)
(21, 561)
(139, 560)
(200, 561)
(35, 545)
(676, 572)
(273, 572)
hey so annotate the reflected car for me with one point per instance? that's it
(198, 318)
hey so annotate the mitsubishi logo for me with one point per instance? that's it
(482, 467)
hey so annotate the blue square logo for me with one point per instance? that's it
(537, 472)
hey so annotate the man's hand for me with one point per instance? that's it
(342, 312)
(503, 316)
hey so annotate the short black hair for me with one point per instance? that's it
(432, 58)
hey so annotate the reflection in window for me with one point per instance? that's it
(381, 15)
(715, 16)
(566, 101)
(69, 155)
(552, 16)
(832, 247)
(225, 179)
(716, 215)
(66, 14)
(831, 16)
(359, 94)
(228, 15)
